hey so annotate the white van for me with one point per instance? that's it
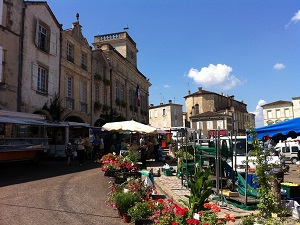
(289, 149)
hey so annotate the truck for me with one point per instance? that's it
(289, 149)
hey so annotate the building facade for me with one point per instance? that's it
(39, 61)
(278, 111)
(208, 112)
(296, 106)
(76, 78)
(165, 116)
(40, 57)
(11, 13)
(127, 87)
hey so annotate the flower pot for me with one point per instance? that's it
(126, 219)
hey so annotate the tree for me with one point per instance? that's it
(55, 111)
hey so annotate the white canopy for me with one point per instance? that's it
(131, 125)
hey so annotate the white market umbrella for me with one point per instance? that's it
(130, 125)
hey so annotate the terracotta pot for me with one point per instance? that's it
(126, 219)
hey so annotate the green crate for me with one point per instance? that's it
(168, 172)
(291, 191)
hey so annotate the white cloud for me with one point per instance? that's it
(215, 75)
(259, 117)
(295, 19)
(279, 66)
(167, 86)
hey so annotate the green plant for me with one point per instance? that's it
(269, 202)
(97, 105)
(200, 190)
(248, 220)
(185, 155)
(141, 210)
(125, 200)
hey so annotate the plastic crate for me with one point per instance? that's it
(168, 172)
(290, 191)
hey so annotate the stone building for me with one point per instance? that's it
(278, 111)
(11, 13)
(296, 106)
(126, 88)
(76, 78)
(208, 112)
(40, 57)
(165, 116)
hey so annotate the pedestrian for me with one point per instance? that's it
(156, 147)
(88, 148)
(69, 153)
(97, 143)
(80, 150)
(123, 144)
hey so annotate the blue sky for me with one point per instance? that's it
(249, 49)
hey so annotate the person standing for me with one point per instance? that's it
(80, 150)
(69, 153)
(88, 148)
(96, 149)
(156, 147)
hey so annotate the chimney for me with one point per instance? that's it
(151, 105)
(170, 101)
(200, 89)
(161, 103)
(189, 92)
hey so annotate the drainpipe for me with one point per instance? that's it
(60, 57)
(20, 64)
(91, 83)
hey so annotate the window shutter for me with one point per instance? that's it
(1, 11)
(53, 43)
(34, 76)
(1, 63)
(37, 33)
(51, 84)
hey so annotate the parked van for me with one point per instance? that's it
(289, 149)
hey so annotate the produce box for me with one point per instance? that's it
(291, 190)
(229, 193)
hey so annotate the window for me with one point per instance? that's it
(70, 52)
(69, 93)
(39, 78)
(45, 39)
(199, 125)
(196, 109)
(155, 113)
(42, 80)
(294, 148)
(164, 113)
(209, 125)
(83, 105)
(96, 93)
(83, 61)
(117, 90)
(104, 96)
(150, 114)
(278, 114)
(122, 95)
(287, 112)
(220, 124)
(42, 38)
(269, 113)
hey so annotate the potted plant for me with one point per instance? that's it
(140, 212)
(125, 200)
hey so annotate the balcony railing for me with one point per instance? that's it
(83, 107)
(70, 103)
